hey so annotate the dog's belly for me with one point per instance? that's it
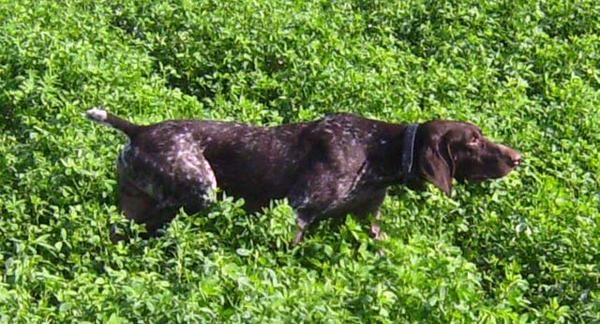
(257, 178)
(258, 168)
(256, 187)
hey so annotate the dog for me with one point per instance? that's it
(328, 168)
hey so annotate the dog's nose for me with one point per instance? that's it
(515, 158)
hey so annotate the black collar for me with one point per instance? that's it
(408, 153)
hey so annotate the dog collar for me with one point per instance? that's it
(408, 152)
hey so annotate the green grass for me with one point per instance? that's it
(526, 248)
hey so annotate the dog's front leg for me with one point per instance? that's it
(371, 211)
(299, 235)
(304, 220)
(376, 227)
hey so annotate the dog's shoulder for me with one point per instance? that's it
(345, 126)
(341, 136)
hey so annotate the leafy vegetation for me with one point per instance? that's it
(526, 248)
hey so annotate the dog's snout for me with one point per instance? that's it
(515, 158)
(511, 156)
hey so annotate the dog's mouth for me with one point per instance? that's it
(501, 170)
(480, 177)
(473, 178)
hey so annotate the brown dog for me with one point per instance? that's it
(338, 165)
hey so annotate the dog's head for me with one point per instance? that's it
(451, 149)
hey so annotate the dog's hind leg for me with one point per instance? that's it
(138, 206)
(154, 184)
(188, 179)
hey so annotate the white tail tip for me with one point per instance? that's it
(97, 114)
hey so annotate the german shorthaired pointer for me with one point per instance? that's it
(338, 165)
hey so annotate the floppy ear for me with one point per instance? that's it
(437, 166)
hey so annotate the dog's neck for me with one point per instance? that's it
(407, 167)
(396, 161)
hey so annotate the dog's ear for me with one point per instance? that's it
(436, 164)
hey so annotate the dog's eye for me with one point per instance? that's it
(475, 141)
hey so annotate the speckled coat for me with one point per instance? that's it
(338, 165)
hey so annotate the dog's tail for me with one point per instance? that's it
(102, 116)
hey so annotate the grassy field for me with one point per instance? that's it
(526, 248)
